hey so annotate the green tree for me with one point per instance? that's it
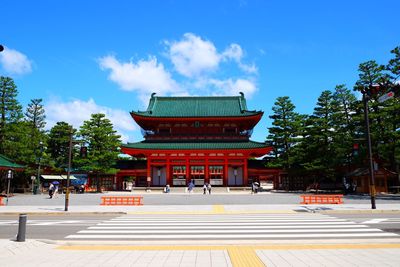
(35, 114)
(284, 132)
(103, 145)
(35, 119)
(343, 124)
(10, 112)
(318, 144)
(58, 144)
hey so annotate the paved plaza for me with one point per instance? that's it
(275, 234)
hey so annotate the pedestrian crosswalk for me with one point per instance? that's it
(228, 227)
(52, 222)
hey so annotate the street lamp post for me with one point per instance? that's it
(369, 146)
(10, 175)
(37, 191)
(68, 171)
(33, 178)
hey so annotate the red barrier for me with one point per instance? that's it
(121, 201)
(322, 199)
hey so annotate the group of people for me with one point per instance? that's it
(207, 188)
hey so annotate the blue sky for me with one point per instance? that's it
(84, 57)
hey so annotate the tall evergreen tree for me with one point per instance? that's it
(35, 114)
(103, 144)
(58, 144)
(344, 124)
(283, 134)
(318, 144)
(10, 112)
(35, 118)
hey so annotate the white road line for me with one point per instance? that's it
(236, 231)
(230, 223)
(232, 236)
(372, 221)
(139, 227)
(238, 220)
(199, 227)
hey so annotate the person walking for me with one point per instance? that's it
(51, 190)
(209, 188)
(205, 188)
(190, 187)
(55, 194)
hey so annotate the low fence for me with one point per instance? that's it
(322, 199)
(121, 201)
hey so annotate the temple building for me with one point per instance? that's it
(200, 139)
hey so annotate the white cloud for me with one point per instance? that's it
(145, 76)
(235, 52)
(233, 87)
(193, 56)
(76, 111)
(15, 62)
(196, 58)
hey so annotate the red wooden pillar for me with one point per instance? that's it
(206, 174)
(225, 182)
(148, 172)
(245, 172)
(167, 171)
(187, 169)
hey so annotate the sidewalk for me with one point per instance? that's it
(352, 252)
(37, 253)
(202, 209)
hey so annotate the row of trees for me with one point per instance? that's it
(23, 138)
(331, 141)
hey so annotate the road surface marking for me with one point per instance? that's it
(218, 209)
(372, 221)
(229, 227)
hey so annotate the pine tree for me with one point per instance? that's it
(103, 144)
(283, 134)
(35, 119)
(344, 124)
(318, 143)
(10, 112)
(58, 144)
(35, 114)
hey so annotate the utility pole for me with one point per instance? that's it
(68, 171)
(369, 146)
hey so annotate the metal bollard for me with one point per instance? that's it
(21, 228)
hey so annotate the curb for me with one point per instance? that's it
(65, 213)
(357, 211)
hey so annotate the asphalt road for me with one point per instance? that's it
(56, 227)
(186, 199)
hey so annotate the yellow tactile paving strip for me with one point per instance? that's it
(244, 256)
(239, 255)
(218, 209)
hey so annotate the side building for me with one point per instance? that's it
(200, 139)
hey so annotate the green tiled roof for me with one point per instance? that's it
(197, 106)
(7, 163)
(195, 145)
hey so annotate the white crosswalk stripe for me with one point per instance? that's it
(51, 222)
(228, 227)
